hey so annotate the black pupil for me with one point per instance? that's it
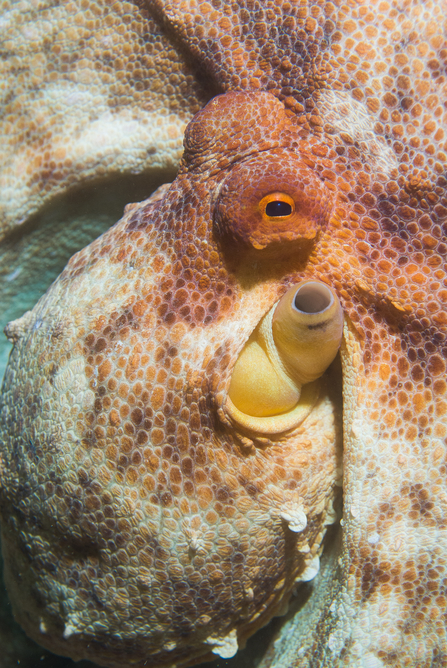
(278, 208)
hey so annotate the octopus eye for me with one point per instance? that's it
(277, 205)
(278, 208)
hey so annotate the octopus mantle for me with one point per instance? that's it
(143, 522)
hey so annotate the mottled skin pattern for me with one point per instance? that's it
(153, 528)
(366, 83)
(79, 80)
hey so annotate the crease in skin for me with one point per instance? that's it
(364, 90)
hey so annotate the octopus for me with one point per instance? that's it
(186, 405)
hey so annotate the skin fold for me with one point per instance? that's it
(354, 123)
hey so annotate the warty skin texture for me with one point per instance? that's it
(153, 529)
(368, 79)
(119, 455)
(94, 91)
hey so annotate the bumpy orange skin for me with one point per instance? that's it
(366, 83)
(139, 522)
